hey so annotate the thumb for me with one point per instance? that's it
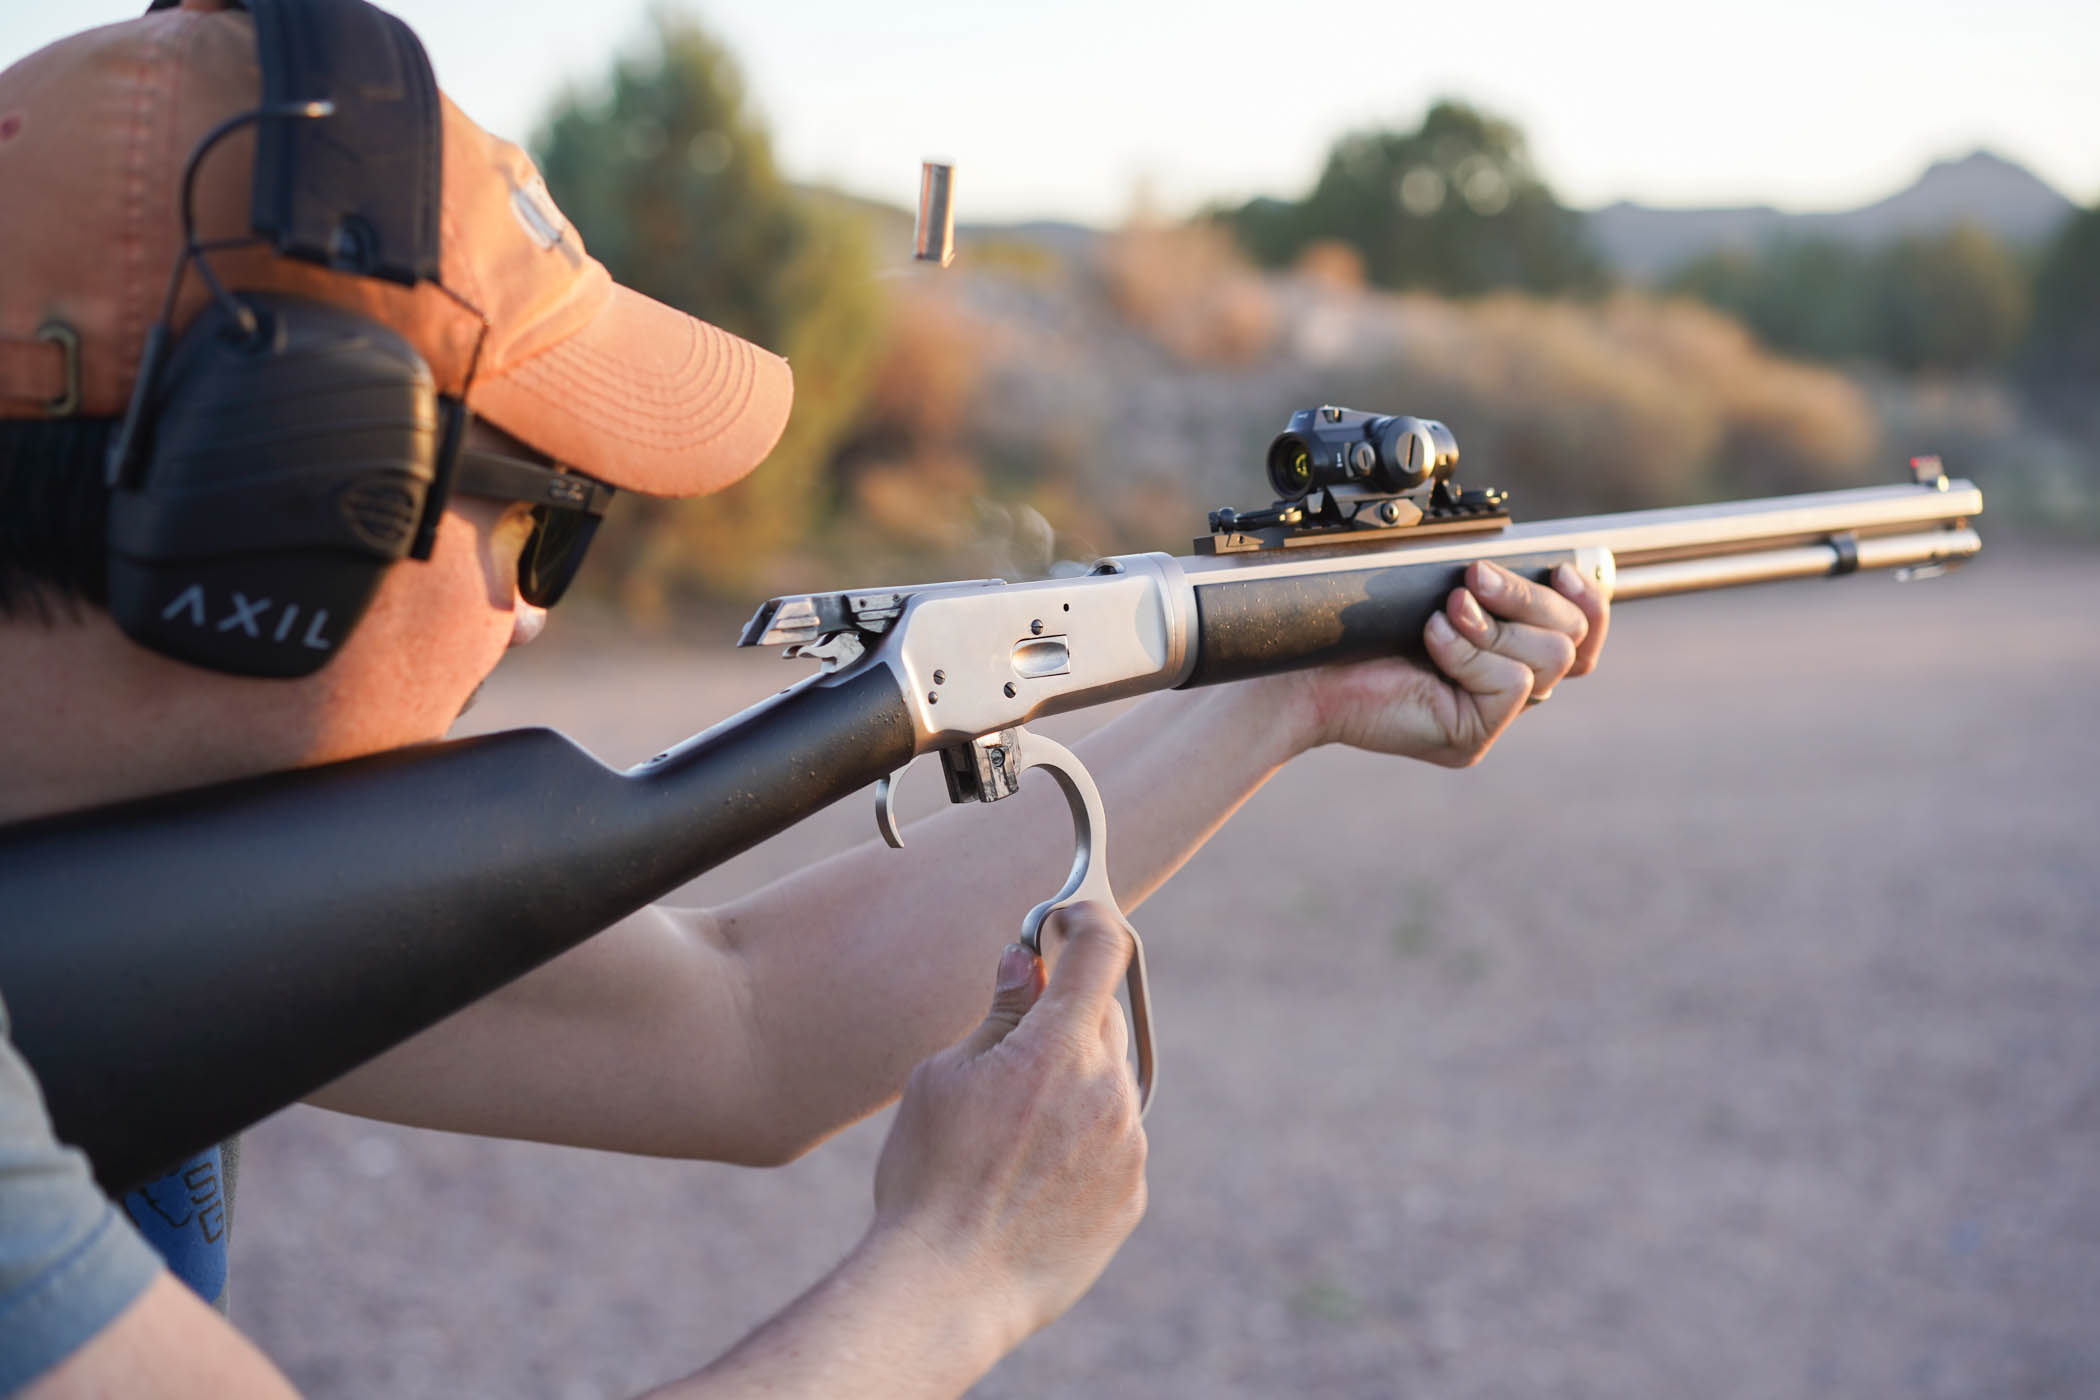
(1020, 983)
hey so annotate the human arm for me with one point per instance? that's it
(168, 1345)
(1014, 1172)
(86, 1310)
(747, 1032)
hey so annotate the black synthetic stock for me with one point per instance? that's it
(1254, 627)
(179, 968)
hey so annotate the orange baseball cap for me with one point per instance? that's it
(94, 131)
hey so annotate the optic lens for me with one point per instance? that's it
(1290, 467)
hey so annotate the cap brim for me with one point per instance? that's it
(646, 398)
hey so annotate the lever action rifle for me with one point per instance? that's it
(178, 968)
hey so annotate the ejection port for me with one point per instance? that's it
(1035, 657)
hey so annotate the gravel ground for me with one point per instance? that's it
(1733, 1032)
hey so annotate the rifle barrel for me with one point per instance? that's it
(1267, 611)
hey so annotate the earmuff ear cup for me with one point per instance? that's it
(263, 615)
(287, 469)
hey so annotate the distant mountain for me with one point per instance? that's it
(1981, 188)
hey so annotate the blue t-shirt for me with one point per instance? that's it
(185, 1216)
(69, 1261)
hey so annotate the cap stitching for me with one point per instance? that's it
(135, 214)
(612, 378)
(713, 372)
(638, 433)
(619, 371)
(698, 335)
(470, 285)
(719, 398)
(585, 366)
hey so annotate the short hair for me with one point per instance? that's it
(54, 515)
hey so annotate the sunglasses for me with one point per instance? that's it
(566, 509)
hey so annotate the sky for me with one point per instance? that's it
(1070, 110)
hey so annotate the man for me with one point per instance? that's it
(745, 1033)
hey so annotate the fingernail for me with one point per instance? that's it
(1568, 581)
(1016, 967)
(1440, 628)
(1469, 611)
(1487, 580)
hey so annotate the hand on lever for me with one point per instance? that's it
(1017, 1156)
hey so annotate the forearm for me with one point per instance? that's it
(891, 1322)
(749, 1032)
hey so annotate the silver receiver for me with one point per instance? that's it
(976, 660)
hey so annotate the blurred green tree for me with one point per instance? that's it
(2059, 365)
(1950, 301)
(1809, 297)
(1454, 206)
(670, 179)
(1954, 301)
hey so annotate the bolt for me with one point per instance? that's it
(1011, 692)
(1036, 627)
(933, 697)
(940, 677)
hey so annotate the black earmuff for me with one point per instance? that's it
(289, 466)
(281, 453)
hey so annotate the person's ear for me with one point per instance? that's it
(526, 620)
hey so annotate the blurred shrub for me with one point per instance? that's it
(1782, 425)
(1454, 206)
(1624, 403)
(922, 502)
(926, 372)
(1188, 287)
(671, 182)
(2035, 480)
(907, 476)
(1331, 263)
(1948, 302)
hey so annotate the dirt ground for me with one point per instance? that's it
(1733, 1032)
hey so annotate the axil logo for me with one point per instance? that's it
(251, 616)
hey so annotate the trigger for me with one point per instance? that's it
(886, 812)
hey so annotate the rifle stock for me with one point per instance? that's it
(179, 968)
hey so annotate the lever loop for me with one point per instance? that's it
(1088, 883)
